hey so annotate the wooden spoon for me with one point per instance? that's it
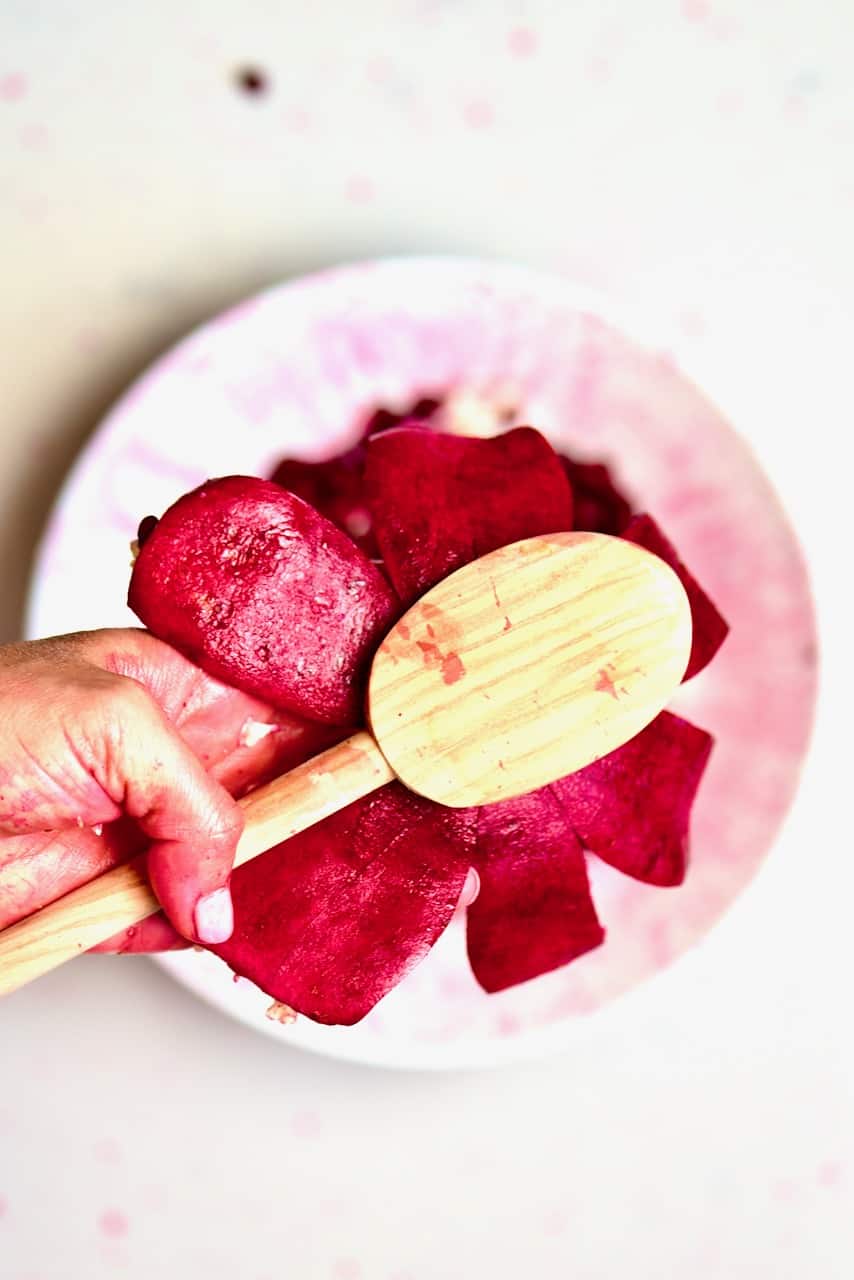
(519, 668)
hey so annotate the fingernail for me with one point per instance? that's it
(214, 916)
(471, 888)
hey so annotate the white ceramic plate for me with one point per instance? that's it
(295, 370)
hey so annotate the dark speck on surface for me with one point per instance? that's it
(252, 81)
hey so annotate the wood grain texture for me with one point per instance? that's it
(528, 664)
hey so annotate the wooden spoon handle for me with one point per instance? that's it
(122, 897)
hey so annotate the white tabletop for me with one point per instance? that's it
(694, 159)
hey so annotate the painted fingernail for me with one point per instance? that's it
(214, 916)
(471, 888)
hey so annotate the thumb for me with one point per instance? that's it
(193, 823)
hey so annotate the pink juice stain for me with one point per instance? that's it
(604, 684)
(479, 114)
(108, 1150)
(432, 652)
(306, 1124)
(450, 664)
(347, 1269)
(830, 1173)
(522, 42)
(360, 189)
(555, 1222)
(13, 86)
(452, 668)
(113, 1224)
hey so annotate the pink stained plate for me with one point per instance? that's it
(294, 370)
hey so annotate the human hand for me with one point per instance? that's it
(111, 741)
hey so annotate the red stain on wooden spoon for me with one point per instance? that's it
(452, 668)
(432, 653)
(604, 684)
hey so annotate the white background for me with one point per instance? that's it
(691, 159)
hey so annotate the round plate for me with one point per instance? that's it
(295, 370)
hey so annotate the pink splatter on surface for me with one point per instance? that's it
(298, 119)
(784, 1190)
(347, 1269)
(506, 1024)
(660, 946)
(522, 42)
(555, 1222)
(598, 68)
(453, 986)
(725, 27)
(34, 137)
(479, 114)
(3, 1206)
(360, 189)
(107, 1149)
(830, 1173)
(113, 1224)
(695, 10)
(13, 86)
(306, 1124)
